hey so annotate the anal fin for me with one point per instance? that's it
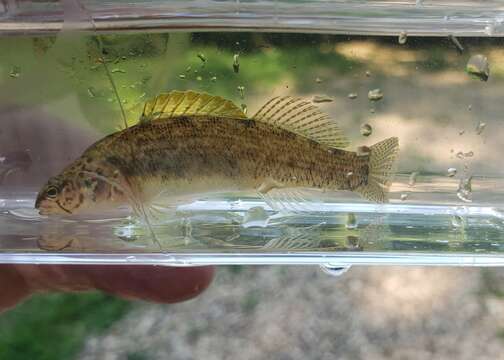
(290, 200)
(296, 239)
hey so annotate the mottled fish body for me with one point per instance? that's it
(189, 143)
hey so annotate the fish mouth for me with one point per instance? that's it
(45, 207)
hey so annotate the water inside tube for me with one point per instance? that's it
(443, 104)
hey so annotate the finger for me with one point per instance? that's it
(152, 283)
(13, 288)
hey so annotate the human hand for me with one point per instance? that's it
(151, 283)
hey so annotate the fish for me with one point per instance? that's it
(188, 143)
(12, 162)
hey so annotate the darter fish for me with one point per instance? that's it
(193, 143)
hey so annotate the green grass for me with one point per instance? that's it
(55, 326)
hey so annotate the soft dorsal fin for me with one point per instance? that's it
(177, 103)
(303, 118)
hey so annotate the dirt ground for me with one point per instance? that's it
(303, 313)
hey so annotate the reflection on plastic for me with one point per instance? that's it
(335, 270)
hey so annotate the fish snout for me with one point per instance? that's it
(47, 207)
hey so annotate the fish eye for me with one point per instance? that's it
(51, 192)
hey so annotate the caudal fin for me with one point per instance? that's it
(382, 161)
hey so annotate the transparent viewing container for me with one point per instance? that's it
(430, 73)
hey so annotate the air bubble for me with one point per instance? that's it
(117, 70)
(318, 80)
(489, 29)
(213, 78)
(182, 76)
(335, 270)
(451, 172)
(375, 95)
(236, 63)
(478, 67)
(351, 221)
(403, 37)
(202, 57)
(464, 191)
(412, 179)
(15, 72)
(241, 90)
(366, 130)
(244, 108)
(457, 221)
(352, 96)
(481, 126)
(322, 99)
(404, 197)
(368, 73)
(91, 92)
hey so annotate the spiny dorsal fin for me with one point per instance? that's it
(177, 103)
(301, 117)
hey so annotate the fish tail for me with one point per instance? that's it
(382, 164)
